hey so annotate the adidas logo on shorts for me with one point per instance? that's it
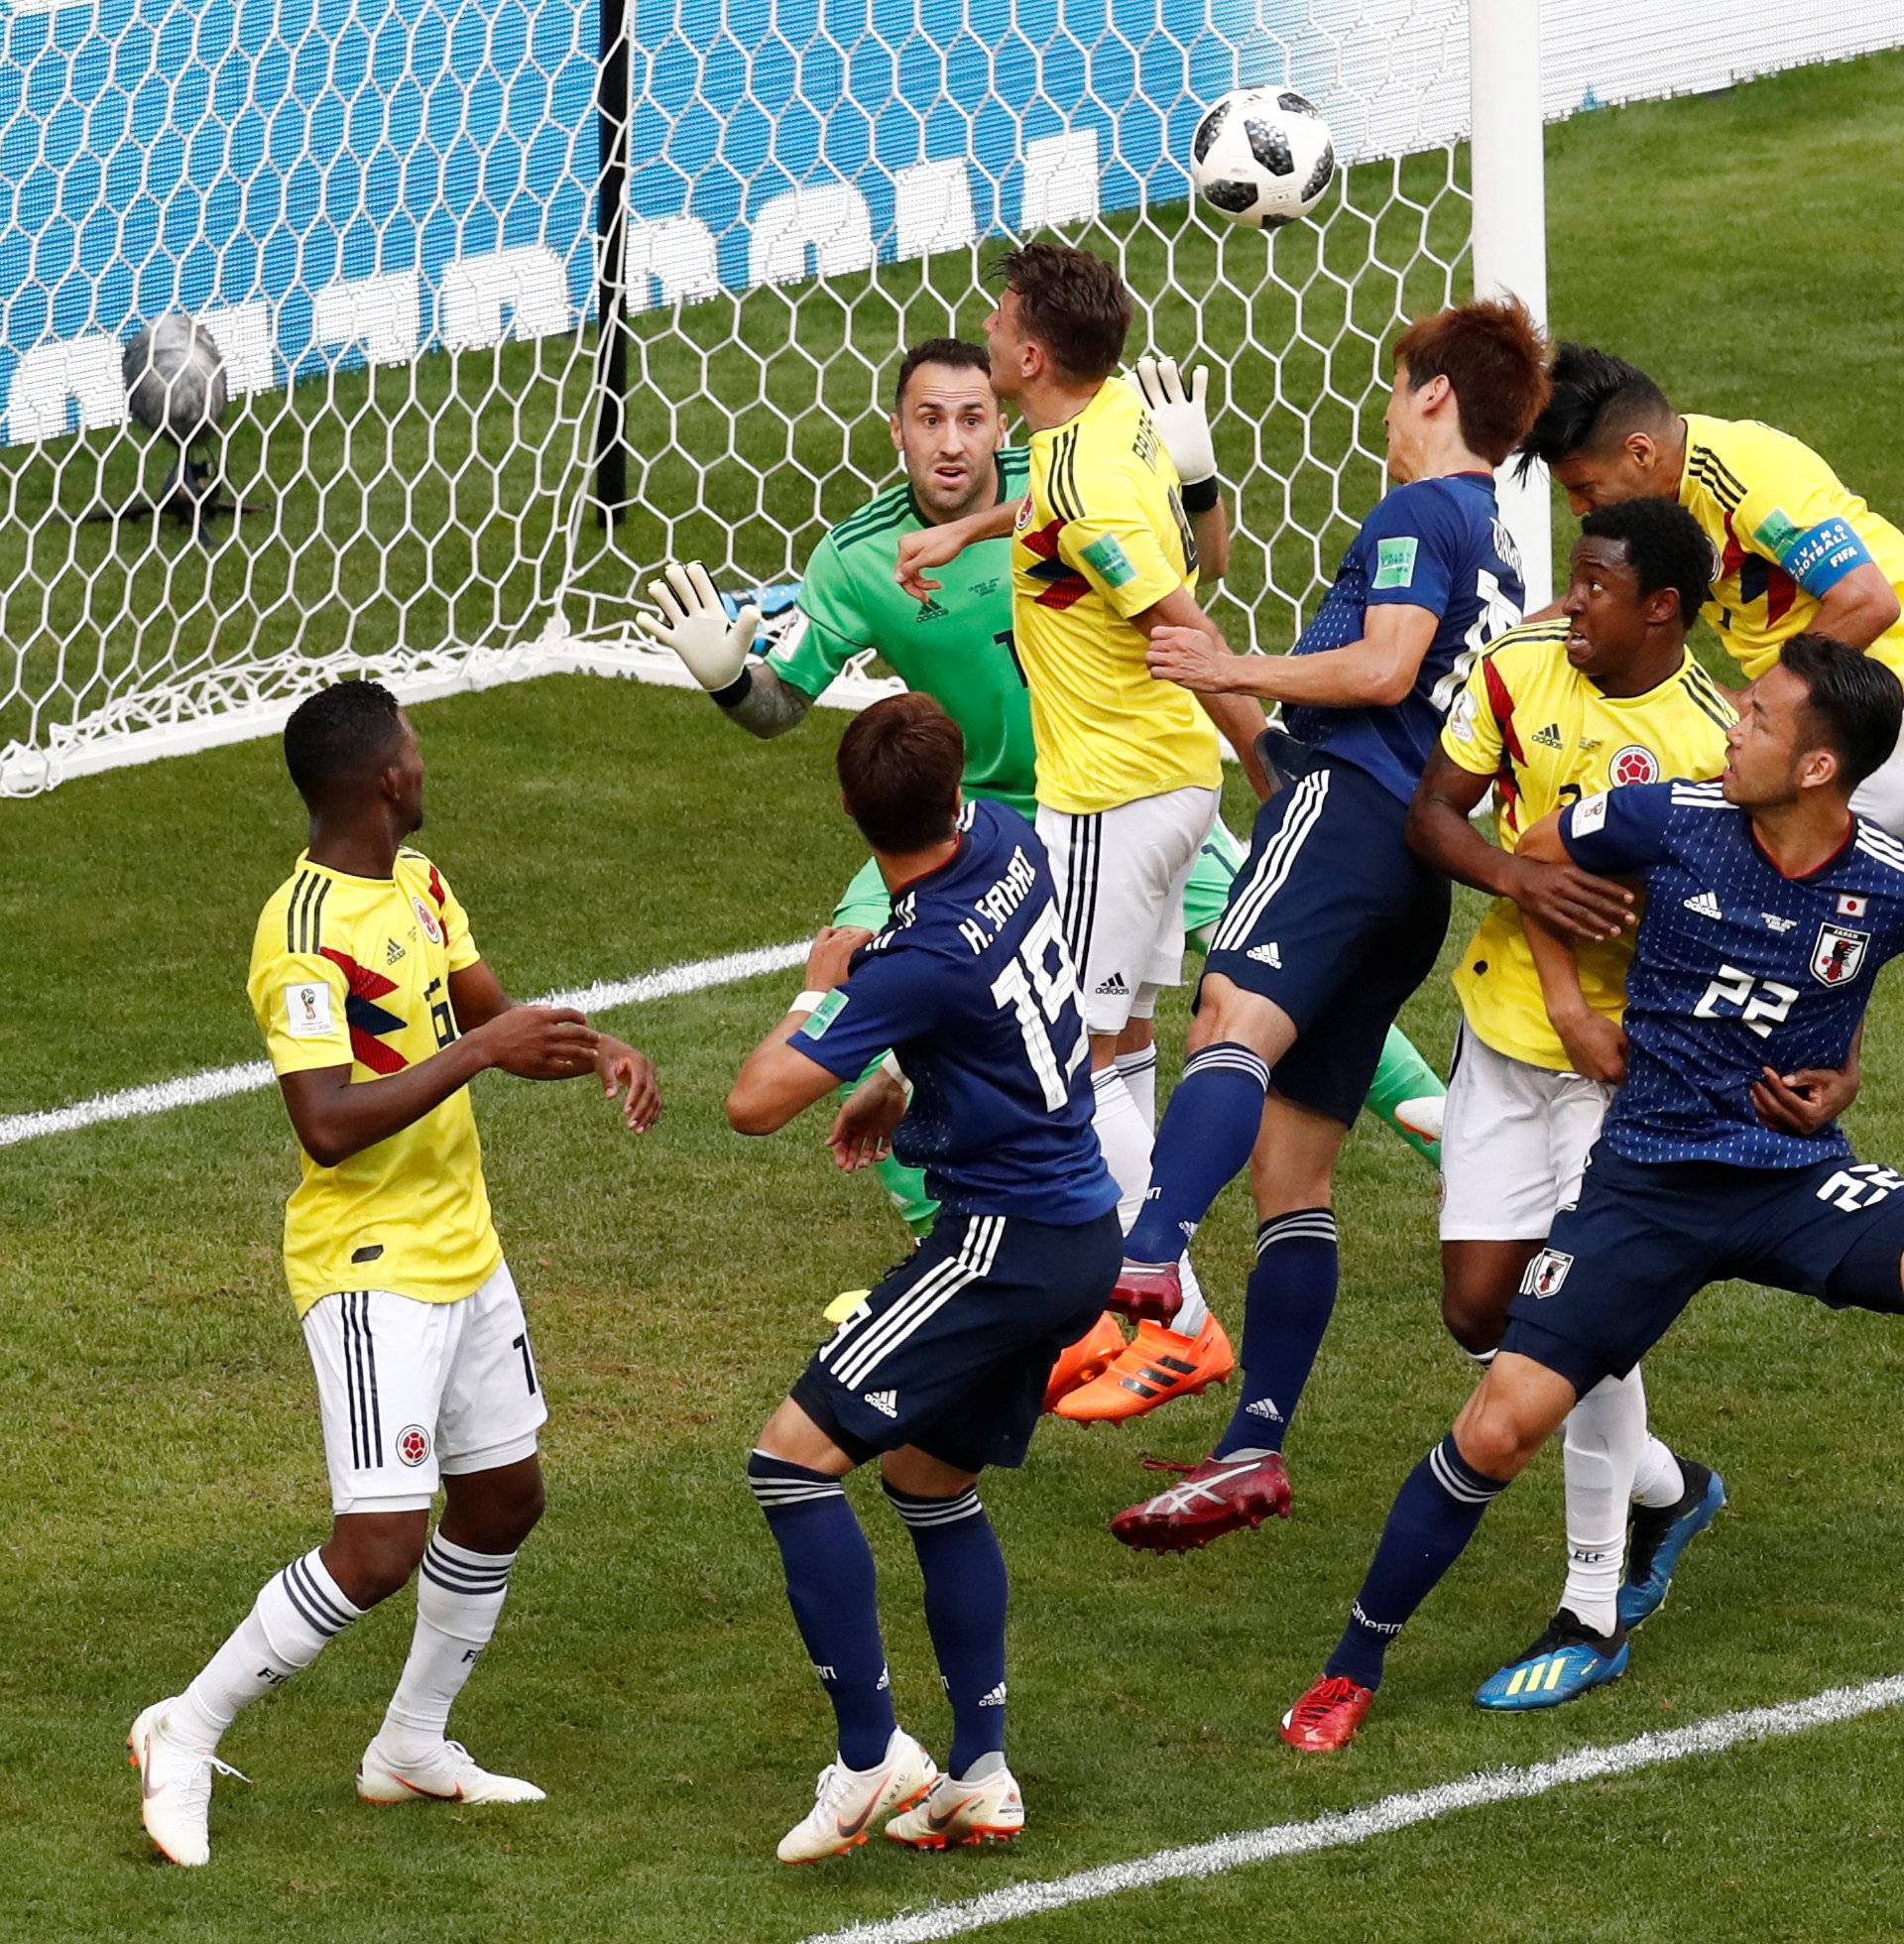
(1114, 987)
(1705, 904)
(1270, 955)
(885, 1402)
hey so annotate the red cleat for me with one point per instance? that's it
(1325, 1720)
(1147, 1293)
(1218, 1496)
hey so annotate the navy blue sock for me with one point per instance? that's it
(1292, 1294)
(831, 1589)
(1435, 1514)
(1204, 1140)
(965, 1602)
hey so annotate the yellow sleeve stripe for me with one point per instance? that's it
(1711, 472)
(304, 914)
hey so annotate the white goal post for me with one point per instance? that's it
(400, 218)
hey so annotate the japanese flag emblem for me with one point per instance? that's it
(1839, 953)
(1850, 904)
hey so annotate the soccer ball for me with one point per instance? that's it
(175, 380)
(1262, 157)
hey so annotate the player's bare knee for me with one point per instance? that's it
(1475, 1317)
(372, 1555)
(1495, 1438)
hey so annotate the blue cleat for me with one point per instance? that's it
(1560, 1667)
(1659, 1537)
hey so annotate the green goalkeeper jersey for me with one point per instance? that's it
(956, 647)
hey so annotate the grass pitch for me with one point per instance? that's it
(162, 1449)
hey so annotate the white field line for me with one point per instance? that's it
(216, 1082)
(1382, 1818)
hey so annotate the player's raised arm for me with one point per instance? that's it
(1182, 419)
(939, 547)
(718, 652)
(1377, 670)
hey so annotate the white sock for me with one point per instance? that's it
(1139, 1070)
(1606, 1432)
(1658, 1482)
(1126, 1145)
(296, 1614)
(459, 1599)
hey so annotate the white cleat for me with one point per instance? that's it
(175, 1780)
(448, 1774)
(989, 1810)
(1423, 1117)
(846, 1800)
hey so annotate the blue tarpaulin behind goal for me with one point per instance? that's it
(337, 178)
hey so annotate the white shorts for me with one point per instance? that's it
(412, 1391)
(1513, 1143)
(1880, 797)
(1121, 875)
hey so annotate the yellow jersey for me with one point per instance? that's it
(355, 972)
(1100, 537)
(1784, 529)
(1547, 736)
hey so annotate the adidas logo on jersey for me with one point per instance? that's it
(1114, 986)
(1548, 738)
(1263, 1407)
(1705, 904)
(1270, 955)
(995, 1699)
(885, 1402)
(393, 952)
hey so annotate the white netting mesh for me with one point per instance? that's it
(386, 212)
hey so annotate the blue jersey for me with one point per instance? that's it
(1439, 545)
(1738, 967)
(971, 987)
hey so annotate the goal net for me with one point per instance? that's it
(390, 217)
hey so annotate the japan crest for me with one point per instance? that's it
(1839, 953)
(1546, 1272)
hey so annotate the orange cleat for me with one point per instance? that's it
(1147, 1291)
(1218, 1496)
(1078, 1363)
(1325, 1720)
(1154, 1366)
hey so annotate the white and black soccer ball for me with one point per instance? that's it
(1262, 157)
(175, 377)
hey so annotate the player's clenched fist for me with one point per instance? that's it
(694, 623)
(540, 1042)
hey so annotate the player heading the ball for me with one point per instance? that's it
(377, 1012)
(942, 1370)
(1771, 908)
(1334, 921)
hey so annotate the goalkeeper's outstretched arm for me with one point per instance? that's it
(1182, 419)
(717, 652)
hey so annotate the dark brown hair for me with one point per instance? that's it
(1496, 359)
(1073, 304)
(953, 351)
(900, 766)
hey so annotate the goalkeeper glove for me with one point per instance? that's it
(694, 623)
(1177, 410)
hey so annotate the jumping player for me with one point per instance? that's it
(377, 1012)
(1770, 908)
(1334, 921)
(942, 1370)
(1794, 550)
(1606, 697)
(958, 648)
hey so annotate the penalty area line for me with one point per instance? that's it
(219, 1082)
(1381, 1818)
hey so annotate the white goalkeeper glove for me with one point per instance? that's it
(1177, 410)
(694, 623)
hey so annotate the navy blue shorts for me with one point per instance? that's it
(953, 1351)
(1337, 921)
(1645, 1238)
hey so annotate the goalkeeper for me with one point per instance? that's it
(957, 648)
